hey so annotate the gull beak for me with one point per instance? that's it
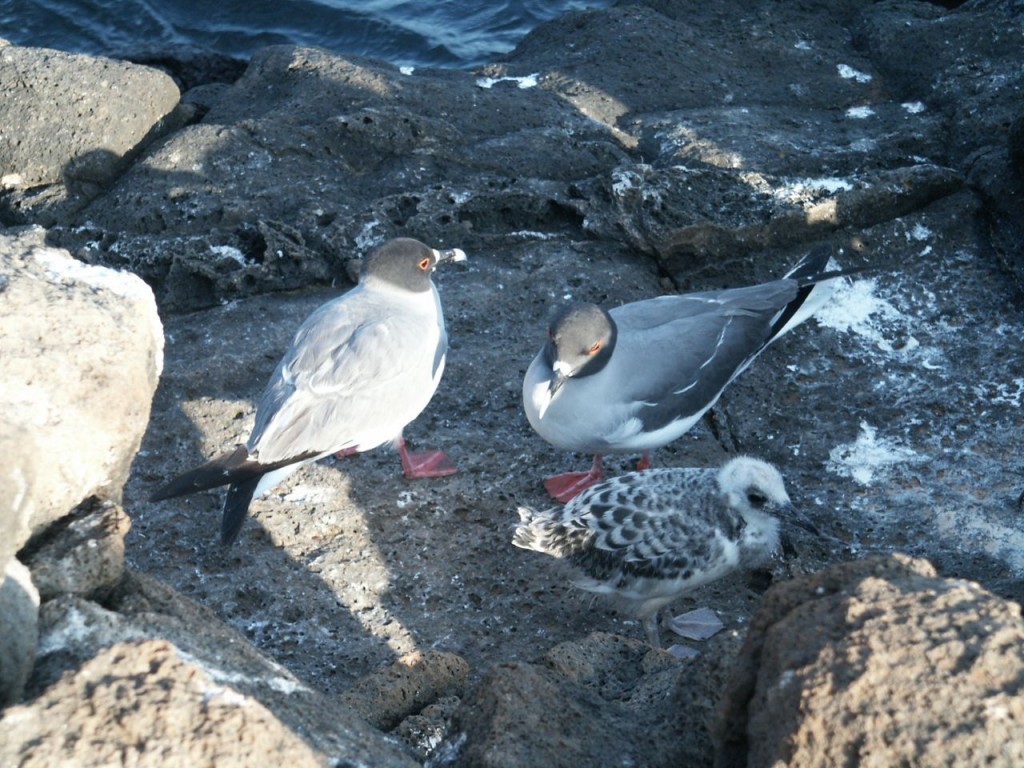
(797, 518)
(553, 388)
(453, 254)
(556, 384)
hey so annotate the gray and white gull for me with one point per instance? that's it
(637, 377)
(360, 368)
(646, 538)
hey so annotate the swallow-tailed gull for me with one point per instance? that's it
(639, 376)
(360, 368)
(647, 538)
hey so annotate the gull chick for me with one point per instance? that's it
(360, 368)
(639, 376)
(647, 538)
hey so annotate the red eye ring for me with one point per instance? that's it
(425, 264)
(595, 349)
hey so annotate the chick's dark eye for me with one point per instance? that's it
(756, 499)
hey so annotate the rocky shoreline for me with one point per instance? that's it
(166, 223)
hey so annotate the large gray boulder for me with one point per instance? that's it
(19, 630)
(82, 348)
(71, 122)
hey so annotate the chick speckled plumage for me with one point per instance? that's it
(647, 538)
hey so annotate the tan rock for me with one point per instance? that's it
(83, 349)
(878, 662)
(73, 632)
(600, 701)
(407, 686)
(142, 704)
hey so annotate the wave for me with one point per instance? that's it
(449, 33)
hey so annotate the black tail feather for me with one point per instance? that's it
(236, 505)
(832, 274)
(234, 467)
(811, 265)
(808, 272)
(225, 469)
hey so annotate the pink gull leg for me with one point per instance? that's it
(422, 464)
(564, 487)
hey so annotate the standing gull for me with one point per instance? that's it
(639, 376)
(646, 538)
(359, 369)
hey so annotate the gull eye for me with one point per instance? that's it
(424, 264)
(595, 349)
(757, 500)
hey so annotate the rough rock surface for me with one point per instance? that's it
(19, 607)
(408, 686)
(83, 554)
(878, 662)
(615, 155)
(603, 700)
(74, 630)
(147, 706)
(83, 349)
(72, 120)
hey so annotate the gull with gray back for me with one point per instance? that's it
(639, 376)
(360, 368)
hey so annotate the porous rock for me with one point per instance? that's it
(69, 116)
(603, 700)
(82, 348)
(142, 703)
(82, 554)
(74, 632)
(19, 630)
(424, 732)
(409, 685)
(879, 662)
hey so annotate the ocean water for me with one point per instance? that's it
(446, 33)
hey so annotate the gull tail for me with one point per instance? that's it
(240, 473)
(226, 469)
(816, 282)
(236, 505)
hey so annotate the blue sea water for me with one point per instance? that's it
(444, 33)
